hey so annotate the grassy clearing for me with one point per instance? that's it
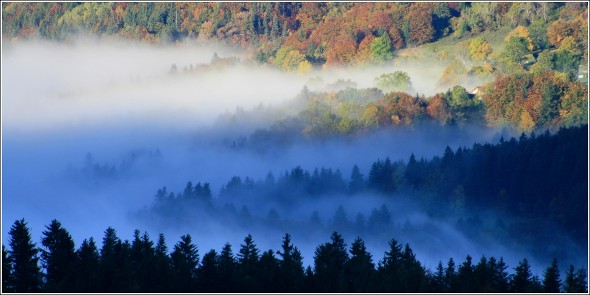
(450, 48)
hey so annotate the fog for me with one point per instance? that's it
(91, 83)
(118, 105)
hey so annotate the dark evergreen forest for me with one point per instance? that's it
(538, 180)
(144, 265)
(536, 185)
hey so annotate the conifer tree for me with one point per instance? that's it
(499, 275)
(522, 280)
(7, 281)
(575, 282)
(122, 273)
(451, 283)
(551, 281)
(414, 272)
(162, 267)
(310, 284)
(390, 268)
(438, 283)
(360, 269)
(248, 259)
(108, 261)
(268, 267)
(185, 259)
(329, 261)
(87, 266)
(58, 258)
(357, 182)
(142, 261)
(465, 275)
(27, 275)
(291, 272)
(227, 269)
(208, 273)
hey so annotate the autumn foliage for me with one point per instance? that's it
(530, 101)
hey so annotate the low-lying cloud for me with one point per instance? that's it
(54, 85)
(119, 102)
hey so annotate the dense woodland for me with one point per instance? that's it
(314, 32)
(512, 170)
(531, 74)
(535, 180)
(140, 265)
(532, 81)
(522, 102)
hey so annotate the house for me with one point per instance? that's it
(476, 91)
(583, 74)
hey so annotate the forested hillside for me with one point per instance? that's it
(532, 57)
(460, 128)
(314, 32)
(522, 102)
(531, 181)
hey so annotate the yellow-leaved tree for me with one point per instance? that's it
(304, 67)
(527, 123)
(480, 49)
(521, 32)
(292, 60)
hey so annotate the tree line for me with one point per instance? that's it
(535, 77)
(142, 265)
(296, 35)
(537, 179)
(522, 102)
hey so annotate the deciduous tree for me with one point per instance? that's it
(480, 49)
(395, 81)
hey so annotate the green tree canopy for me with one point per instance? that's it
(381, 48)
(395, 81)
